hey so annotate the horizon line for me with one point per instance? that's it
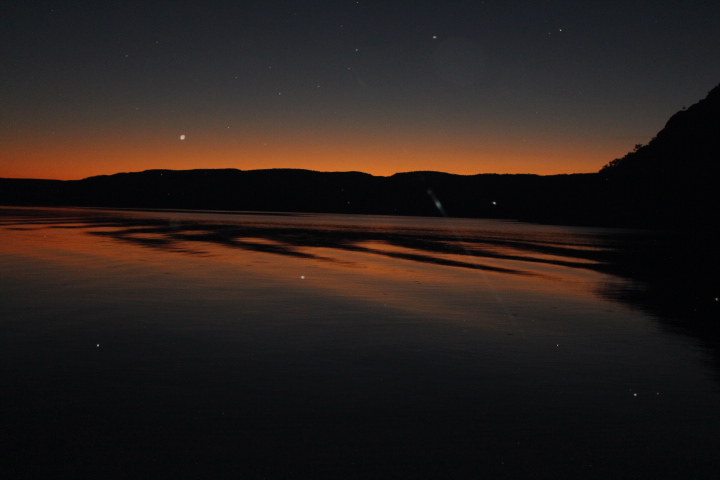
(290, 169)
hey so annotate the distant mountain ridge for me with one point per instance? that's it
(672, 182)
(287, 190)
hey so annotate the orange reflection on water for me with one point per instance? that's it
(443, 285)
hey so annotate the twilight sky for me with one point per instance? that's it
(467, 87)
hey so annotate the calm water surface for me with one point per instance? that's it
(207, 345)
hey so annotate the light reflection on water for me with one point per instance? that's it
(286, 346)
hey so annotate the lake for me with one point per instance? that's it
(174, 344)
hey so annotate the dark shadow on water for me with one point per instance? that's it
(673, 278)
(430, 246)
(412, 413)
(676, 279)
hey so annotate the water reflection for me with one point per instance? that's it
(420, 240)
(391, 343)
(675, 278)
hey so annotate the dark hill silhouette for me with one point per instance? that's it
(669, 183)
(673, 180)
(281, 190)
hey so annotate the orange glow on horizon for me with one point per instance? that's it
(72, 158)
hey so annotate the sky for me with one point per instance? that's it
(466, 87)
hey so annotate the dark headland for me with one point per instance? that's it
(672, 182)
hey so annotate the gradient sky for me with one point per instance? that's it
(545, 87)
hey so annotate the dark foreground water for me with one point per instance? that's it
(202, 345)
